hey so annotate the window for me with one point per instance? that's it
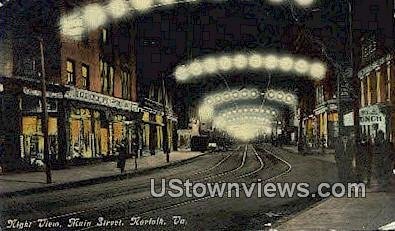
(107, 77)
(125, 85)
(85, 76)
(70, 69)
(104, 35)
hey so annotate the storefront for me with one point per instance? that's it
(152, 127)
(97, 124)
(326, 124)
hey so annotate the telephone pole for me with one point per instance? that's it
(44, 123)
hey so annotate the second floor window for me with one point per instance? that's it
(70, 69)
(104, 35)
(85, 76)
(125, 85)
(107, 77)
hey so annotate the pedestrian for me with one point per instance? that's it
(381, 159)
(323, 142)
(2, 153)
(121, 156)
(365, 157)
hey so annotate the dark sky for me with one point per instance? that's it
(169, 37)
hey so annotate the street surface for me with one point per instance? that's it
(124, 204)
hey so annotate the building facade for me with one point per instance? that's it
(92, 88)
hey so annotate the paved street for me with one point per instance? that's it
(131, 197)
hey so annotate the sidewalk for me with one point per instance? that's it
(370, 213)
(25, 183)
(329, 154)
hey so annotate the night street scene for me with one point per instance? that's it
(197, 115)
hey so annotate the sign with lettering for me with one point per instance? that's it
(56, 95)
(100, 99)
(372, 115)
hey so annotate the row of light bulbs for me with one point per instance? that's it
(209, 103)
(282, 97)
(267, 112)
(92, 16)
(211, 65)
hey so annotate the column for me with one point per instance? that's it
(378, 85)
(362, 94)
(369, 91)
(389, 77)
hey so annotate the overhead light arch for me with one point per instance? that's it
(250, 61)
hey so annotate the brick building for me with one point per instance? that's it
(92, 86)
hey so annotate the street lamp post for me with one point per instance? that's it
(165, 134)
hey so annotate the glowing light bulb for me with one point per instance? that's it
(318, 71)
(142, 5)
(118, 8)
(301, 66)
(225, 63)
(255, 61)
(181, 73)
(94, 16)
(240, 61)
(210, 65)
(195, 68)
(304, 3)
(286, 63)
(271, 62)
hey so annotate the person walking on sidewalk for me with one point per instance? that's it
(122, 156)
(366, 154)
(381, 155)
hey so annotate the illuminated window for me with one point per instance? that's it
(70, 69)
(104, 35)
(85, 76)
(107, 77)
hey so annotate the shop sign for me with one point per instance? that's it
(37, 93)
(371, 115)
(100, 99)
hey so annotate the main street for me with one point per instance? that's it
(130, 200)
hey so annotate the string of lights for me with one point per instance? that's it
(227, 63)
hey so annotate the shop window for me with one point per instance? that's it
(33, 140)
(81, 134)
(85, 76)
(70, 69)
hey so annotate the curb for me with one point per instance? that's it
(93, 181)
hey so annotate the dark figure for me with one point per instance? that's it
(323, 141)
(364, 160)
(122, 156)
(345, 149)
(2, 153)
(381, 159)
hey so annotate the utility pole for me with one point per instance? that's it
(165, 132)
(45, 115)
